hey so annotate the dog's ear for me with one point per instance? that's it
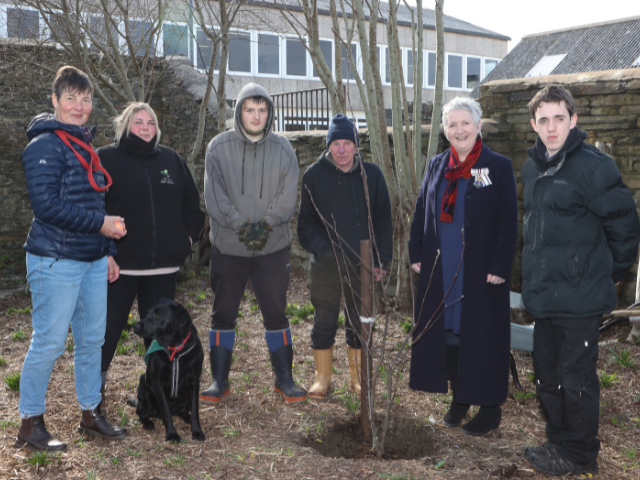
(180, 318)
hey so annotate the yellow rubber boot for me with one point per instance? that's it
(355, 365)
(323, 359)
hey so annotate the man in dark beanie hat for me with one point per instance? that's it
(335, 184)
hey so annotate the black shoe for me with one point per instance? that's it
(94, 423)
(552, 463)
(455, 414)
(281, 361)
(220, 361)
(486, 420)
(543, 450)
(33, 435)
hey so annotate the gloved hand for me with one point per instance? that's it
(255, 235)
(243, 230)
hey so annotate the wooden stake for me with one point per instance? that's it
(366, 311)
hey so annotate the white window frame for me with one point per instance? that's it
(251, 44)
(160, 46)
(446, 72)
(283, 71)
(405, 66)
(4, 20)
(333, 60)
(255, 59)
(197, 27)
(425, 68)
(384, 53)
(484, 59)
(464, 78)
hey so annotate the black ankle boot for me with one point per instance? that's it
(94, 423)
(281, 361)
(33, 435)
(457, 411)
(220, 361)
(486, 420)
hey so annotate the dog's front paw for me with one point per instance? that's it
(198, 435)
(172, 437)
(147, 424)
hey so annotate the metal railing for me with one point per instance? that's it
(302, 110)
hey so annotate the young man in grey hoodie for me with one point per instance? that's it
(251, 192)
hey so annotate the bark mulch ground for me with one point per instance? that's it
(253, 435)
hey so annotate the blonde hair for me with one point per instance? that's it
(122, 123)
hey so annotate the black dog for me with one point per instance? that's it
(171, 385)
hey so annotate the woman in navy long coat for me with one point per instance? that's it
(462, 243)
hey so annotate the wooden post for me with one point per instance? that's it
(366, 311)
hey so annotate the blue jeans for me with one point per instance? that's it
(64, 292)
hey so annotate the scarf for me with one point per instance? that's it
(453, 172)
(95, 160)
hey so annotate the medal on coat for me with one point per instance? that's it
(481, 177)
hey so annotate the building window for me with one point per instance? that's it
(58, 23)
(23, 23)
(431, 69)
(141, 37)
(489, 65)
(204, 51)
(347, 71)
(296, 58)
(546, 65)
(175, 39)
(240, 52)
(268, 54)
(473, 72)
(409, 79)
(98, 32)
(387, 73)
(454, 71)
(326, 47)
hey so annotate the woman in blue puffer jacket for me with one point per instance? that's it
(67, 266)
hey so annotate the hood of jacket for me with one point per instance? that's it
(248, 91)
(46, 122)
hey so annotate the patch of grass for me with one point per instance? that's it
(254, 299)
(383, 374)
(124, 336)
(4, 424)
(623, 357)
(139, 346)
(264, 390)
(16, 311)
(230, 432)
(3, 362)
(298, 313)
(116, 461)
(341, 319)
(18, 336)
(122, 349)
(190, 305)
(254, 308)
(131, 320)
(531, 376)
(124, 418)
(70, 347)
(42, 458)
(174, 460)
(523, 396)
(351, 401)
(630, 453)
(607, 380)
(242, 333)
(201, 296)
(13, 381)
(133, 453)
(407, 325)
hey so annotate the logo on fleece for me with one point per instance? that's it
(166, 178)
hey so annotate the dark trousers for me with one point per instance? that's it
(326, 284)
(565, 357)
(269, 277)
(120, 295)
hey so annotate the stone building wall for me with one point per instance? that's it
(608, 109)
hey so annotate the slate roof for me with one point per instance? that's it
(451, 24)
(603, 46)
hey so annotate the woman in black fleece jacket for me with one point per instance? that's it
(154, 192)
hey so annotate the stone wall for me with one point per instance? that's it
(26, 93)
(608, 108)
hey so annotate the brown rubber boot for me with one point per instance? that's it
(355, 366)
(323, 359)
(94, 423)
(34, 436)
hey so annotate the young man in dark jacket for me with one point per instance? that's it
(335, 185)
(581, 234)
(251, 191)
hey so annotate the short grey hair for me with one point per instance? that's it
(122, 123)
(462, 103)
